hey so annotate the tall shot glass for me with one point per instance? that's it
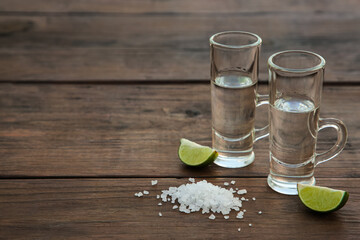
(234, 75)
(296, 79)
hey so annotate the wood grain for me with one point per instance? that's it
(164, 40)
(107, 209)
(187, 6)
(73, 151)
(134, 130)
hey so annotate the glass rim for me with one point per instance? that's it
(217, 44)
(297, 70)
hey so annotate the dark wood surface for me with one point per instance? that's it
(165, 40)
(107, 209)
(134, 130)
(95, 95)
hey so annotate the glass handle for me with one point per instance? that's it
(340, 143)
(261, 133)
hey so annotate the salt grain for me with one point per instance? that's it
(250, 224)
(244, 210)
(242, 199)
(242, 191)
(212, 217)
(226, 183)
(175, 206)
(146, 192)
(192, 180)
(254, 198)
(154, 182)
(232, 182)
(239, 229)
(260, 212)
(240, 215)
(159, 204)
(139, 194)
(157, 196)
(160, 214)
(226, 217)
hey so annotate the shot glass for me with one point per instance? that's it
(296, 79)
(234, 75)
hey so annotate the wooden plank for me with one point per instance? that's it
(107, 209)
(188, 6)
(88, 65)
(83, 47)
(134, 130)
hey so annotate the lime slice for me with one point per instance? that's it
(193, 154)
(322, 199)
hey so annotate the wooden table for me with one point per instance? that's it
(95, 95)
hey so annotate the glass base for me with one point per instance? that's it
(234, 162)
(287, 187)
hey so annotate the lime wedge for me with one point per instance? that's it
(322, 199)
(196, 155)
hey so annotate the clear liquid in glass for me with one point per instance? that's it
(293, 133)
(233, 117)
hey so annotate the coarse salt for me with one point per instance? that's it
(232, 182)
(154, 182)
(139, 194)
(212, 217)
(202, 196)
(240, 215)
(242, 191)
(146, 192)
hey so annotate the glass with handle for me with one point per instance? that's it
(295, 85)
(234, 59)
